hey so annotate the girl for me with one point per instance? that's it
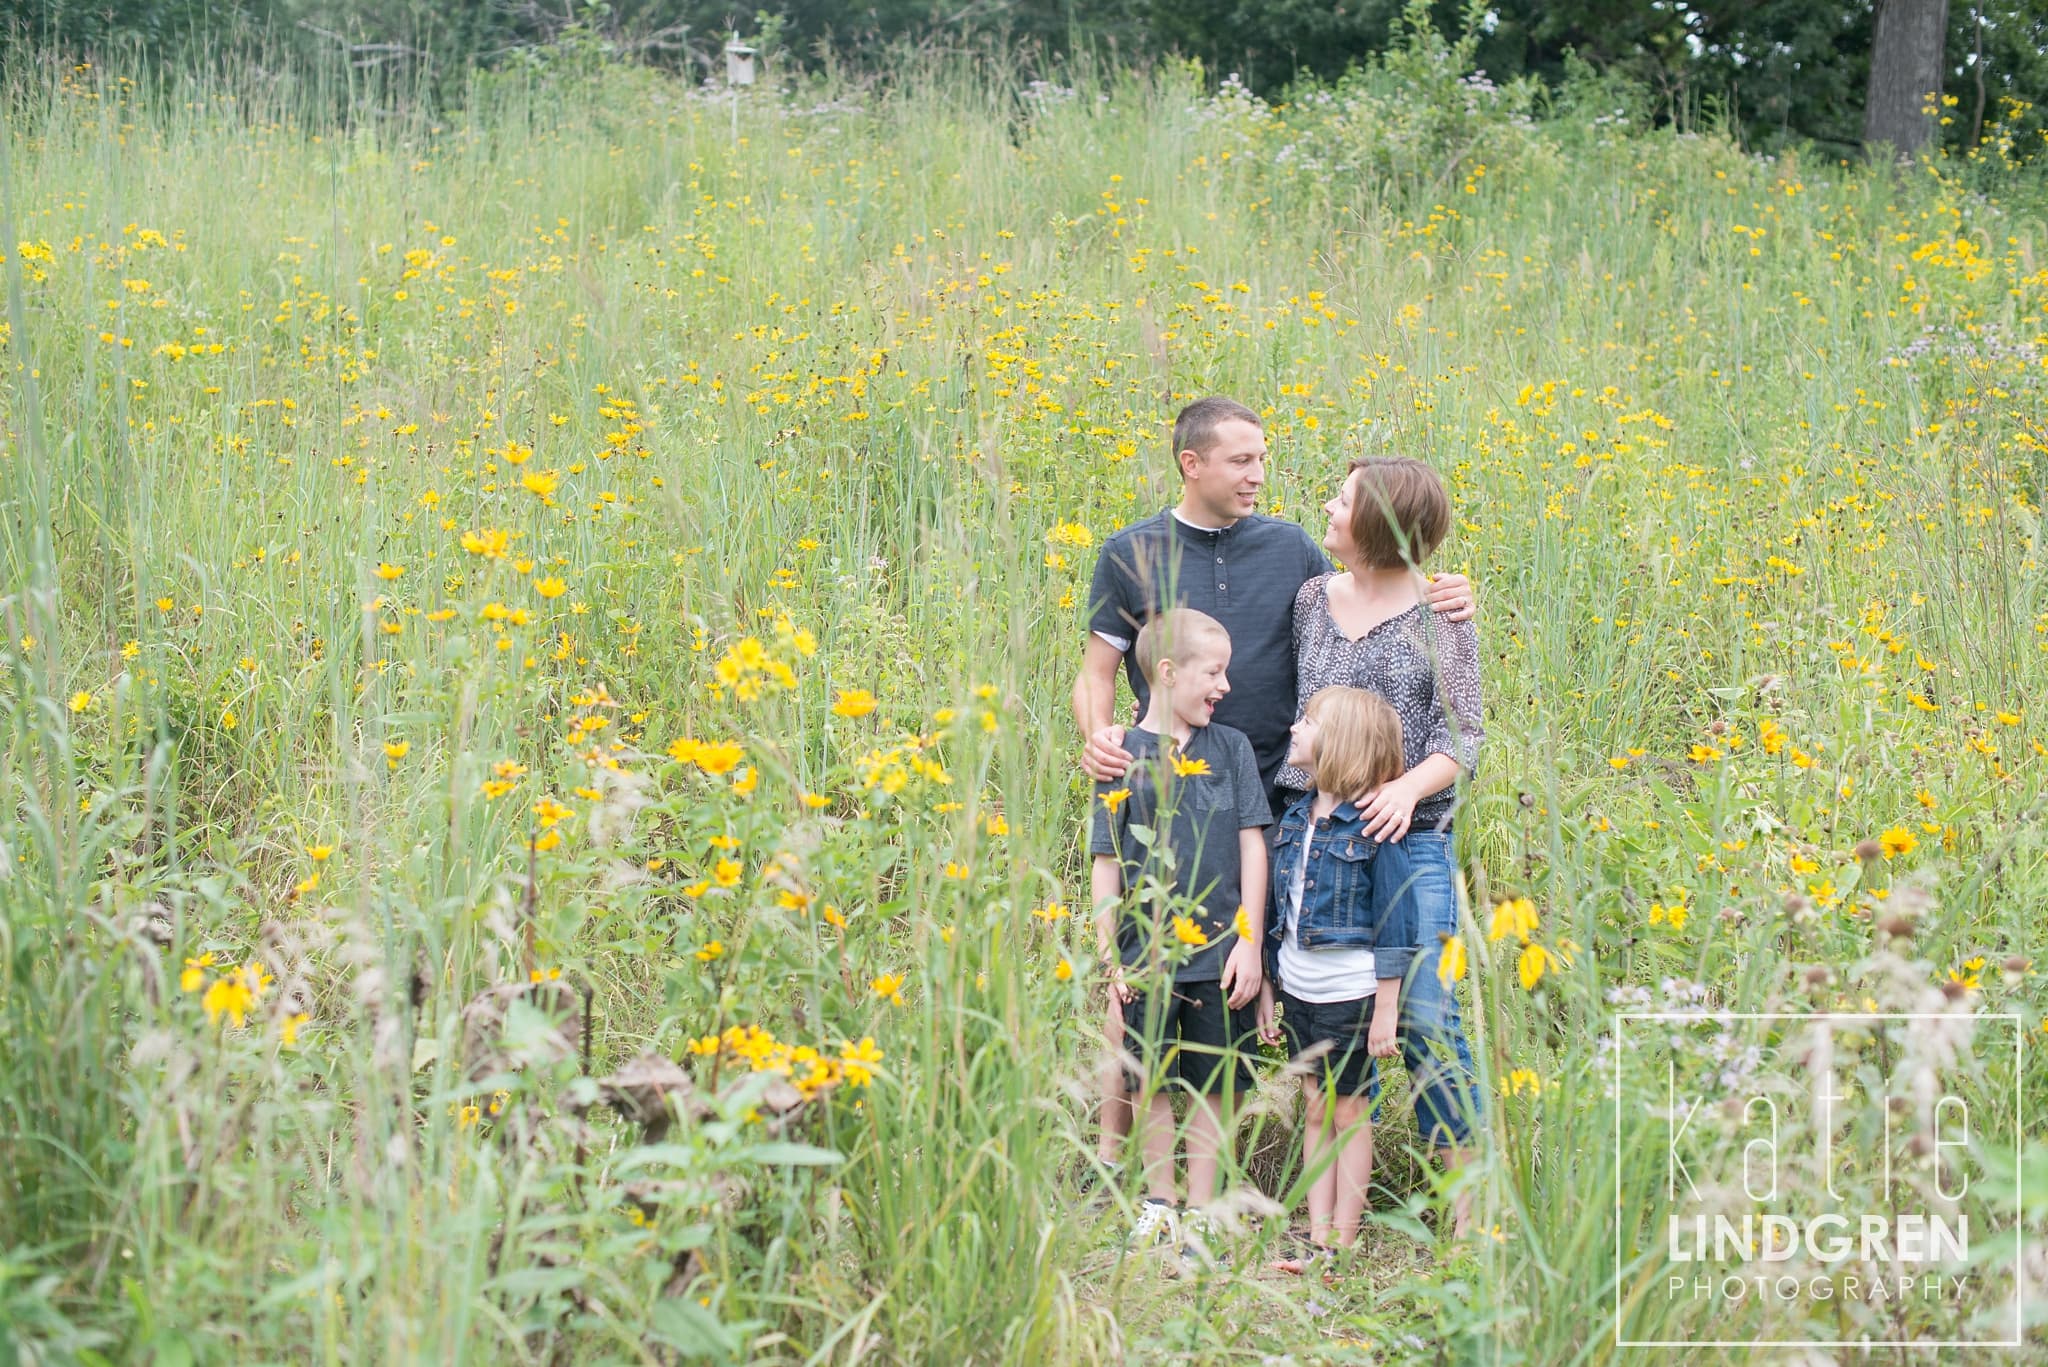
(1343, 947)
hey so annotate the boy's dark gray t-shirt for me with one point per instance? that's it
(1208, 812)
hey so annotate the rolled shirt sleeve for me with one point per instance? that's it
(1111, 614)
(1252, 807)
(1457, 725)
(1104, 835)
(1394, 947)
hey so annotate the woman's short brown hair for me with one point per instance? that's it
(1399, 511)
(1358, 741)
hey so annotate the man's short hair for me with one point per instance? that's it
(1195, 428)
(1175, 634)
(1399, 511)
(1358, 741)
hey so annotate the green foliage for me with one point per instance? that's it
(1775, 72)
(539, 804)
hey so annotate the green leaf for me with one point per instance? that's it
(172, 1350)
(658, 1155)
(790, 1155)
(538, 1281)
(321, 1277)
(693, 1331)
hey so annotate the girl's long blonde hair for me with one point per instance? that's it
(1358, 741)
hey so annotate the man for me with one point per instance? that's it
(1216, 553)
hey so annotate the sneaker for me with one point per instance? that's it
(1201, 1248)
(1157, 1223)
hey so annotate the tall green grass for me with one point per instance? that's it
(885, 370)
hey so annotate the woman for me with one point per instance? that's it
(1370, 627)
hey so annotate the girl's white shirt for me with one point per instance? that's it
(1319, 975)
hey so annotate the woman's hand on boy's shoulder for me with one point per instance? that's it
(1103, 757)
(1451, 595)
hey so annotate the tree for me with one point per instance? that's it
(1905, 68)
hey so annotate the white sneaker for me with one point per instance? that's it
(1201, 1244)
(1157, 1223)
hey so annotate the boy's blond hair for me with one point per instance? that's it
(1175, 634)
(1399, 513)
(1358, 741)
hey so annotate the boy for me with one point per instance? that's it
(1197, 789)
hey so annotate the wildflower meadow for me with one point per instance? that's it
(542, 815)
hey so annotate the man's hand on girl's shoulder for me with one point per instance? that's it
(1104, 758)
(1451, 595)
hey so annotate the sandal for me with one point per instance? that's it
(1314, 1258)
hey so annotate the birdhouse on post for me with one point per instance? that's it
(739, 62)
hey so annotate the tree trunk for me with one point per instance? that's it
(1905, 65)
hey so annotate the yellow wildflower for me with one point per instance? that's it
(859, 1060)
(195, 972)
(489, 543)
(1450, 965)
(854, 702)
(235, 994)
(1516, 917)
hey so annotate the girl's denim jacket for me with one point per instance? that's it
(1343, 904)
